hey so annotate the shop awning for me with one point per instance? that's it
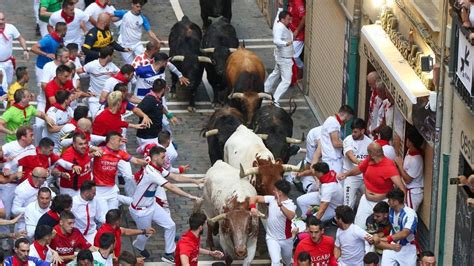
(401, 80)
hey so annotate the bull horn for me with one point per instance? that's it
(246, 172)
(263, 136)
(302, 150)
(291, 168)
(177, 58)
(236, 95)
(208, 50)
(293, 141)
(261, 215)
(211, 132)
(217, 218)
(232, 50)
(263, 95)
(204, 59)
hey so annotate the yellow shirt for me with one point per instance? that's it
(13, 88)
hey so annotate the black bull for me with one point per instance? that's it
(215, 8)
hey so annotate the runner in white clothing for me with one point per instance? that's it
(313, 154)
(94, 10)
(355, 151)
(61, 114)
(281, 210)
(75, 19)
(350, 238)
(36, 209)
(411, 169)
(331, 138)
(132, 23)
(104, 255)
(384, 137)
(40, 246)
(144, 210)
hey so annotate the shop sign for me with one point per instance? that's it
(464, 70)
(467, 147)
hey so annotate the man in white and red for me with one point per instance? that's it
(94, 10)
(281, 210)
(68, 239)
(76, 162)
(374, 103)
(331, 138)
(61, 114)
(378, 120)
(383, 139)
(124, 76)
(8, 33)
(62, 81)
(40, 247)
(298, 13)
(26, 192)
(87, 210)
(146, 58)
(74, 18)
(106, 167)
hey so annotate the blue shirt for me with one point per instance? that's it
(405, 219)
(146, 75)
(49, 46)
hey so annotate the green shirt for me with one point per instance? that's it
(15, 118)
(51, 6)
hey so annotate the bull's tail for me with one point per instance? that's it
(292, 106)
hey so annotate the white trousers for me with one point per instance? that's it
(352, 184)
(107, 197)
(39, 123)
(406, 256)
(9, 71)
(43, 28)
(7, 193)
(334, 164)
(305, 201)
(364, 210)
(94, 106)
(155, 213)
(282, 70)
(128, 57)
(39, 76)
(280, 249)
(36, 4)
(414, 198)
(125, 170)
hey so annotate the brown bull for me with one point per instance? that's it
(245, 76)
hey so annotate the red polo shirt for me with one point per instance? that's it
(106, 122)
(52, 87)
(105, 167)
(36, 159)
(187, 245)
(84, 161)
(321, 253)
(66, 244)
(377, 175)
(117, 232)
(297, 10)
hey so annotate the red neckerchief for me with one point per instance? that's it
(42, 250)
(56, 37)
(120, 77)
(414, 153)
(117, 233)
(328, 177)
(3, 34)
(67, 19)
(159, 168)
(53, 215)
(30, 180)
(72, 58)
(372, 100)
(74, 122)
(99, 4)
(21, 108)
(17, 262)
(382, 142)
(59, 107)
(339, 120)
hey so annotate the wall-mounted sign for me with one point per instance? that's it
(464, 70)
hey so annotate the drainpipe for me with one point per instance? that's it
(438, 133)
(352, 85)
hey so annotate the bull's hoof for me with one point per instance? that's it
(191, 109)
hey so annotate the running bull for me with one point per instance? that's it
(215, 8)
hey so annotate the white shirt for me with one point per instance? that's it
(281, 36)
(81, 209)
(6, 44)
(278, 225)
(327, 149)
(4, 81)
(152, 178)
(74, 32)
(110, 85)
(375, 113)
(34, 253)
(358, 148)
(60, 118)
(413, 165)
(14, 152)
(25, 194)
(389, 152)
(33, 213)
(332, 193)
(352, 244)
(99, 75)
(101, 261)
(131, 29)
(388, 113)
(94, 10)
(312, 143)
